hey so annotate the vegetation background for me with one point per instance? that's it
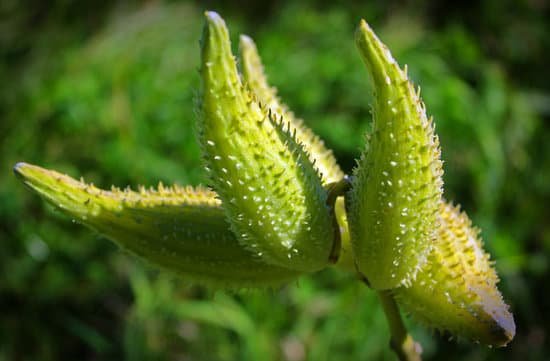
(105, 90)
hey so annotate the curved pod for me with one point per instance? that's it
(457, 289)
(182, 230)
(272, 194)
(397, 186)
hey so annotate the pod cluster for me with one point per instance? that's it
(276, 209)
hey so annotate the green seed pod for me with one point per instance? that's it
(456, 291)
(397, 186)
(182, 230)
(254, 76)
(272, 194)
(323, 158)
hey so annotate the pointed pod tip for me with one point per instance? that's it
(364, 31)
(218, 65)
(214, 22)
(504, 328)
(252, 67)
(24, 171)
(35, 177)
(246, 41)
(376, 56)
(363, 25)
(213, 16)
(18, 169)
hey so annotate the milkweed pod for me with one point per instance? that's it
(272, 194)
(457, 291)
(256, 80)
(182, 230)
(397, 185)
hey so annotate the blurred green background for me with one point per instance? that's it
(105, 90)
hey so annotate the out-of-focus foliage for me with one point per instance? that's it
(107, 93)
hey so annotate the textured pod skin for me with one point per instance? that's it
(397, 186)
(272, 194)
(322, 157)
(456, 291)
(254, 77)
(182, 230)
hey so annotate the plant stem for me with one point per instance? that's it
(401, 342)
(336, 190)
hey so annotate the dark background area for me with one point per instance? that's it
(105, 90)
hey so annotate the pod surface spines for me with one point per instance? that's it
(256, 80)
(180, 229)
(268, 221)
(321, 157)
(457, 290)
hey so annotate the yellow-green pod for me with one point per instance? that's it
(272, 194)
(397, 185)
(182, 230)
(323, 158)
(256, 80)
(456, 291)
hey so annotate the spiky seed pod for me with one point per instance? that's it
(397, 186)
(456, 291)
(182, 230)
(256, 80)
(272, 194)
(254, 77)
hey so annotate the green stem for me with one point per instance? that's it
(335, 190)
(401, 342)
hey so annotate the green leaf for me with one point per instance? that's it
(397, 186)
(182, 230)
